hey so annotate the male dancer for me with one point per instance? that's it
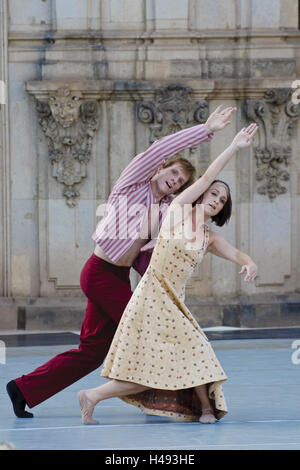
(145, 185)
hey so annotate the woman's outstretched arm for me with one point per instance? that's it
(192, 193)
(221, 247)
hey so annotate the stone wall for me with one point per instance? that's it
(86, 83)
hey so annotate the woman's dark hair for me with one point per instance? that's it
(224, 215)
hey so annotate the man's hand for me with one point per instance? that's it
(219, 119)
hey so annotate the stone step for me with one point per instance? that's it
(41, 314)
(248, 315)
(56, 315)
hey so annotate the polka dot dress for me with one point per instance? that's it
(158, 342)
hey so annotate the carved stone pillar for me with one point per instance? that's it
(174, 109)
(5, 261)
(69, 123)
(276, 116)
(274, 186)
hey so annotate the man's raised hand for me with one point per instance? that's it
(219, 119)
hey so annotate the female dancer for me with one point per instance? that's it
(160, 359)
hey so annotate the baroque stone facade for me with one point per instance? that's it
(90, 85)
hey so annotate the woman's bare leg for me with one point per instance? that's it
(113, 388)
(88, 399)
(207, 416)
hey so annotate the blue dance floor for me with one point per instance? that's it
(262, 394)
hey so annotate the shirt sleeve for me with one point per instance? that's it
(145, 165)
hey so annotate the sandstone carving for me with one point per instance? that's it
(276, 116)
(172, 110)
(69, 123)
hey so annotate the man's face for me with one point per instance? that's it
(170, 179)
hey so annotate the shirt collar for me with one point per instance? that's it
(167, 199)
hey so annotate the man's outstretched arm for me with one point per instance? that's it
(146, 164)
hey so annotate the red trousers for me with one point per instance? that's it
(108, 290)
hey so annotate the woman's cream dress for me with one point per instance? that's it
(158, 342)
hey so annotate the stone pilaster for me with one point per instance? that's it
(69, 123)
(4, 155)
(276, 116)
(274, 186)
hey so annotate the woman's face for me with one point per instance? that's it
(214, 199)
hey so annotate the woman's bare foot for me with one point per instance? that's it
(87, 408)
(207, 416)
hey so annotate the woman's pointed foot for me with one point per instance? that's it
(87, 408)
(207, 416)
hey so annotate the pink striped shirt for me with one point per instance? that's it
(131, 197)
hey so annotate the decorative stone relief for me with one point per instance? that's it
(276, 116)
(172, 110)
(69, 123)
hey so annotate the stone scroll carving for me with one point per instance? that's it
(69, 123)
(276, 116)
(172, 110)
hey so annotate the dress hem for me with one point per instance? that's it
(169, 414)
(204, 382)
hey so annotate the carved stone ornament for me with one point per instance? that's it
(276, 116)
(69, 123)
(172, 110)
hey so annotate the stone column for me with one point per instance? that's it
(172, 109)
(68, 124)
(4, 156)
(275, 185)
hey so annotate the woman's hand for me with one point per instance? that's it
(251, 270)
(219, 119)
(245, 136)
